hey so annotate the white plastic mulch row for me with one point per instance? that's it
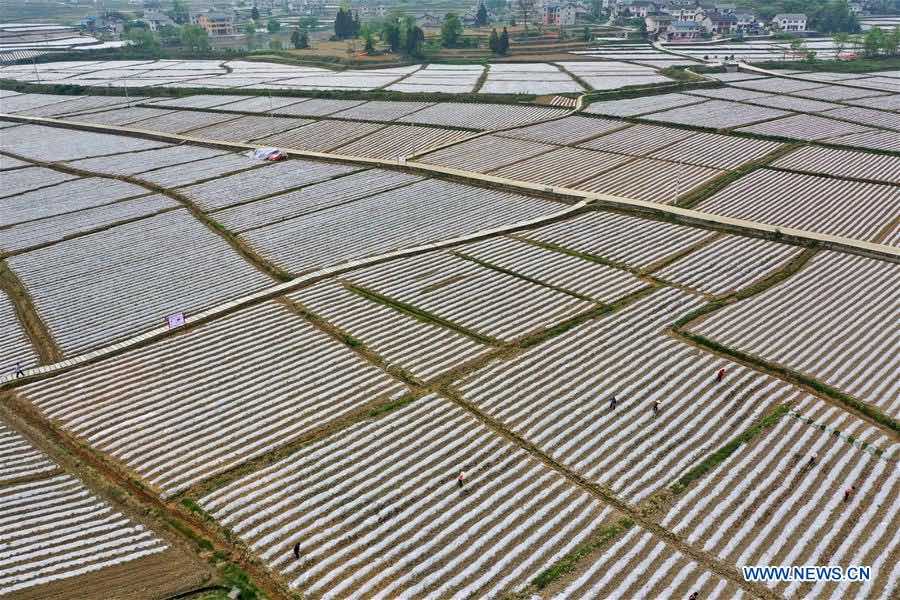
(270, 178)
(248, 128)
(593, 280)
(19, 459)
(15, 346)
(842, 163)
(56, 529)
(835, 321)
(310, 199)
(24, 102)
(23, 181)
(209, 400)
(23, 236)
(557, 396)
(163, 264)
(775, 85)
(836, 93)
(651, 180)
(481, 300)
(563, 166)
(322, 136)
(825, 205)
(569, 130)
(378, 110)
(638, 140)
(424, 212)
(806, 127)
(377, 513)
(139, 162)
(395, 141)
(423, 349)
(716, 150)
(486, 153)
(78, 104)
(867, 116)
(117, 116)
(54, 144)
(180, 121)
(640, 565)
(765, 505)
(632, 107)
(875, 140)
(621, 238)
(728, 264)
(716, 114)
(186, 173)
(482, 116)
(74, 195)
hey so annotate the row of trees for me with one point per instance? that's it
(346, 26)
(875, 42)
(499, 44)
(191, 37)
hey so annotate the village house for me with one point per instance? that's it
(215, 23)
(789, 22)
(560, 14)
(683, 31)
(718, 24)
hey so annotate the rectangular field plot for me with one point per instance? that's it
(391, 220)
(638, 140)
(317, 107)
(260, 104)
(117, 116)
(56, 528)
(19, 459)
(7, 163)
(271, 178)
(842, 163)
(835, 321)
(482, 116)
(376, 510)
(835, 206)
(55, 228)
(377, 110)
(651, 180)
(181, 121)
(640, 565)
(422, 349)
(875, 140)
(805, 127)
(311, 199)
(717, 114)
(55, 144)
(22, 181)
(77, 194)
(766, 505)
(138, 162)
(490, 304)
(836, 93)
(731, 93)
(322, 136)
(179, 265)
(401, 140)
(570, 130)
(794, 104)
(486, 153)
(249, 128)
(79, 104)
(200, 170)
(867, 117)
(727, 265)
(558, 396)
(563, 166)
(212, 398)
(24, 102)
(15, 347)
(776, 85)
(200, 101)
(716, 150)
(633, 107)
(880, 102)
(572, 274)
(619, 238)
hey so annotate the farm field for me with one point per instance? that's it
(827, 339)
(411, 366)
(845, 207)
(397, 524)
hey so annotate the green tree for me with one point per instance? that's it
(481, 17)
(275, 45)
(451, 31)
(368, 39)
(834, 16)
(494, 41)
(873, 42)
(586, 34)
(250, 34)
(273, 25)
(343, 24)
(891, 41)
(194, 38)
(308, 23)
(299, 38)
(503, 46)
(169, 35)
(254, 14)
(391, 34)
(413, 38)
(142, 39)
(839, 41)
(179, 12)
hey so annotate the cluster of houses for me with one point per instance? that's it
(687, 20)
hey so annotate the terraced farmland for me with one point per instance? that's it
(836, 206)
(557, 396)
(179, 430)
(19, 459)
(840, 333)
(376, 510)
(768, 505)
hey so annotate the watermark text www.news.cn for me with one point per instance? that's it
(810, 573)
